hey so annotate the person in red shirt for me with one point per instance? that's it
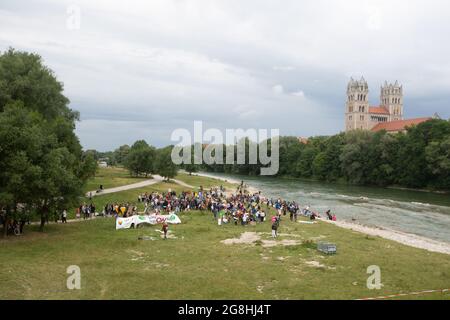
(165, 229)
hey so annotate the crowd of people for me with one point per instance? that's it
(239, 208)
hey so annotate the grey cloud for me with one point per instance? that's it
(140, 69)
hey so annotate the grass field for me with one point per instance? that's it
(111, 177)
(195, 264)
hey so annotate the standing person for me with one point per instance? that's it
(275, 229)
(64, 216)
(330, 217)
(262, 216)
(165, 229)
(92, 210)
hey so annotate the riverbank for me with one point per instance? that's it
(386, 233)
(250, 188)
(397, 236)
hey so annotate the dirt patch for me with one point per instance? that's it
(136, 253)
(283, 235)
(170, 234)
(156, 265)
(314, 264)
(245, 238)
(274, 243)
(251, 238)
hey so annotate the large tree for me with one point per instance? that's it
(41, 160)
(140, 158)
(164, 165)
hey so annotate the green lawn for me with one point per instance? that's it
(111, 177)
(196, 265)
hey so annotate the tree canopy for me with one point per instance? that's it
(42, 167)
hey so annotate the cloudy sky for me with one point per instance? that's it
(141, 69)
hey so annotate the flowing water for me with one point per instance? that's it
(422, 213)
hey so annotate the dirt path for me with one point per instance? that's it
(156, 179)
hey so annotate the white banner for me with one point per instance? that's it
(126, 223)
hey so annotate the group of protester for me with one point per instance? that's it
(239, 208)
(87, 211)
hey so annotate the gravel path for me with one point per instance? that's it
(137, 185)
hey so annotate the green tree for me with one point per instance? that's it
(41, 161)
(438, 158)
(121, 153)
(164, 164)
(140, 158)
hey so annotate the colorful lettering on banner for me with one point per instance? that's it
(126, 223)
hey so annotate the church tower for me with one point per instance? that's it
(392, 100)
(357, 106)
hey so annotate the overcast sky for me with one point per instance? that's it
(141, 69)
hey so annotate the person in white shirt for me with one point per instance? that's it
(64, 216)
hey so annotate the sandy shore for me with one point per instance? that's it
(408, 239)
(394, 235)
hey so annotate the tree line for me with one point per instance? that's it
(417, 158)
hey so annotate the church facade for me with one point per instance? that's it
(361, 115)
(388, 115)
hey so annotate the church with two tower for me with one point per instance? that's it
(388, 115)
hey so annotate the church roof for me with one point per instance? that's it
(399, 125)
(378, 110)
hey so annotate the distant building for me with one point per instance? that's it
(398, 126)
(103, 164)
(387, 116)
(303, 140)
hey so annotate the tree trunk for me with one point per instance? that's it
(5, 225)
(5, 228)
(44, 215)
(41, 226)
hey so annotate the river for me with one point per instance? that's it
(424, 214)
